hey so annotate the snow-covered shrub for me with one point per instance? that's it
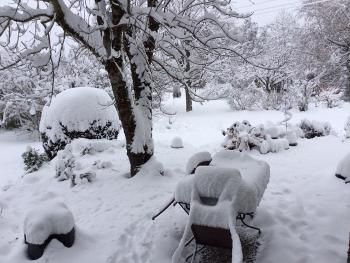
(244, 97)
(347, 128)
(265, 138)
(65, 164)
(313, 129)
(177, 143)
(78, 113)
(33, 160)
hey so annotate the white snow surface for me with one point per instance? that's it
(77, 109)
(343, 167)
(196, 159)
(48, 217)
(304, 213)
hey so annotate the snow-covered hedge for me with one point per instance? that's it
(312, 129)
(78, 113)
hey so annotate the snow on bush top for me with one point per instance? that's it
(196, 159)
(77, 109)
(50, 217)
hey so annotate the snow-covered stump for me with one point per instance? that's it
(177, 143)
(292, 138)
(343, 169)
(50, 220)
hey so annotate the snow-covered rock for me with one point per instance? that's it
(50, 217)
(343, 168)
(78, 113)
(200, 158)
(177, 143)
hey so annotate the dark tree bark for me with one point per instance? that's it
(346, 96)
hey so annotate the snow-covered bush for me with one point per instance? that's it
(177, 143)
(242, 97)
(65, 164)
(313, 129)
(33, 160)
(265, 138)
(78, 113)
(347, 128)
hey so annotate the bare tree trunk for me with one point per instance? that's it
(127, 116)
(188, 100)
(188, 85)
(349, 251)
(346, 96)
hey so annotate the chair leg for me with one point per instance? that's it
(194, 253)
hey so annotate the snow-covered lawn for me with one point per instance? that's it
(304, 214)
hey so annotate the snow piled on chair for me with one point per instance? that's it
(218, 183)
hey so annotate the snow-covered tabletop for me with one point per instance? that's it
(255, 177)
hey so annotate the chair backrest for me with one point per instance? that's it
(212, 236)
(213, 182)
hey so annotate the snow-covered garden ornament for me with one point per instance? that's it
(50, 220)
(343, 169)
(78, 113)
(177, 143)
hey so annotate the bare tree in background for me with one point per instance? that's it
(127, 37)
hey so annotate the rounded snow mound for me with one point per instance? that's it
(81, 112)
(343, 169)
(46, 219)
(177, 143)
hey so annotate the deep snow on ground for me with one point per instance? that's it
(304, 214)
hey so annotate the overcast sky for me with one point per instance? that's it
(264, 10)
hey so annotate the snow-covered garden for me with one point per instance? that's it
(304, 213)
(174, 131)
